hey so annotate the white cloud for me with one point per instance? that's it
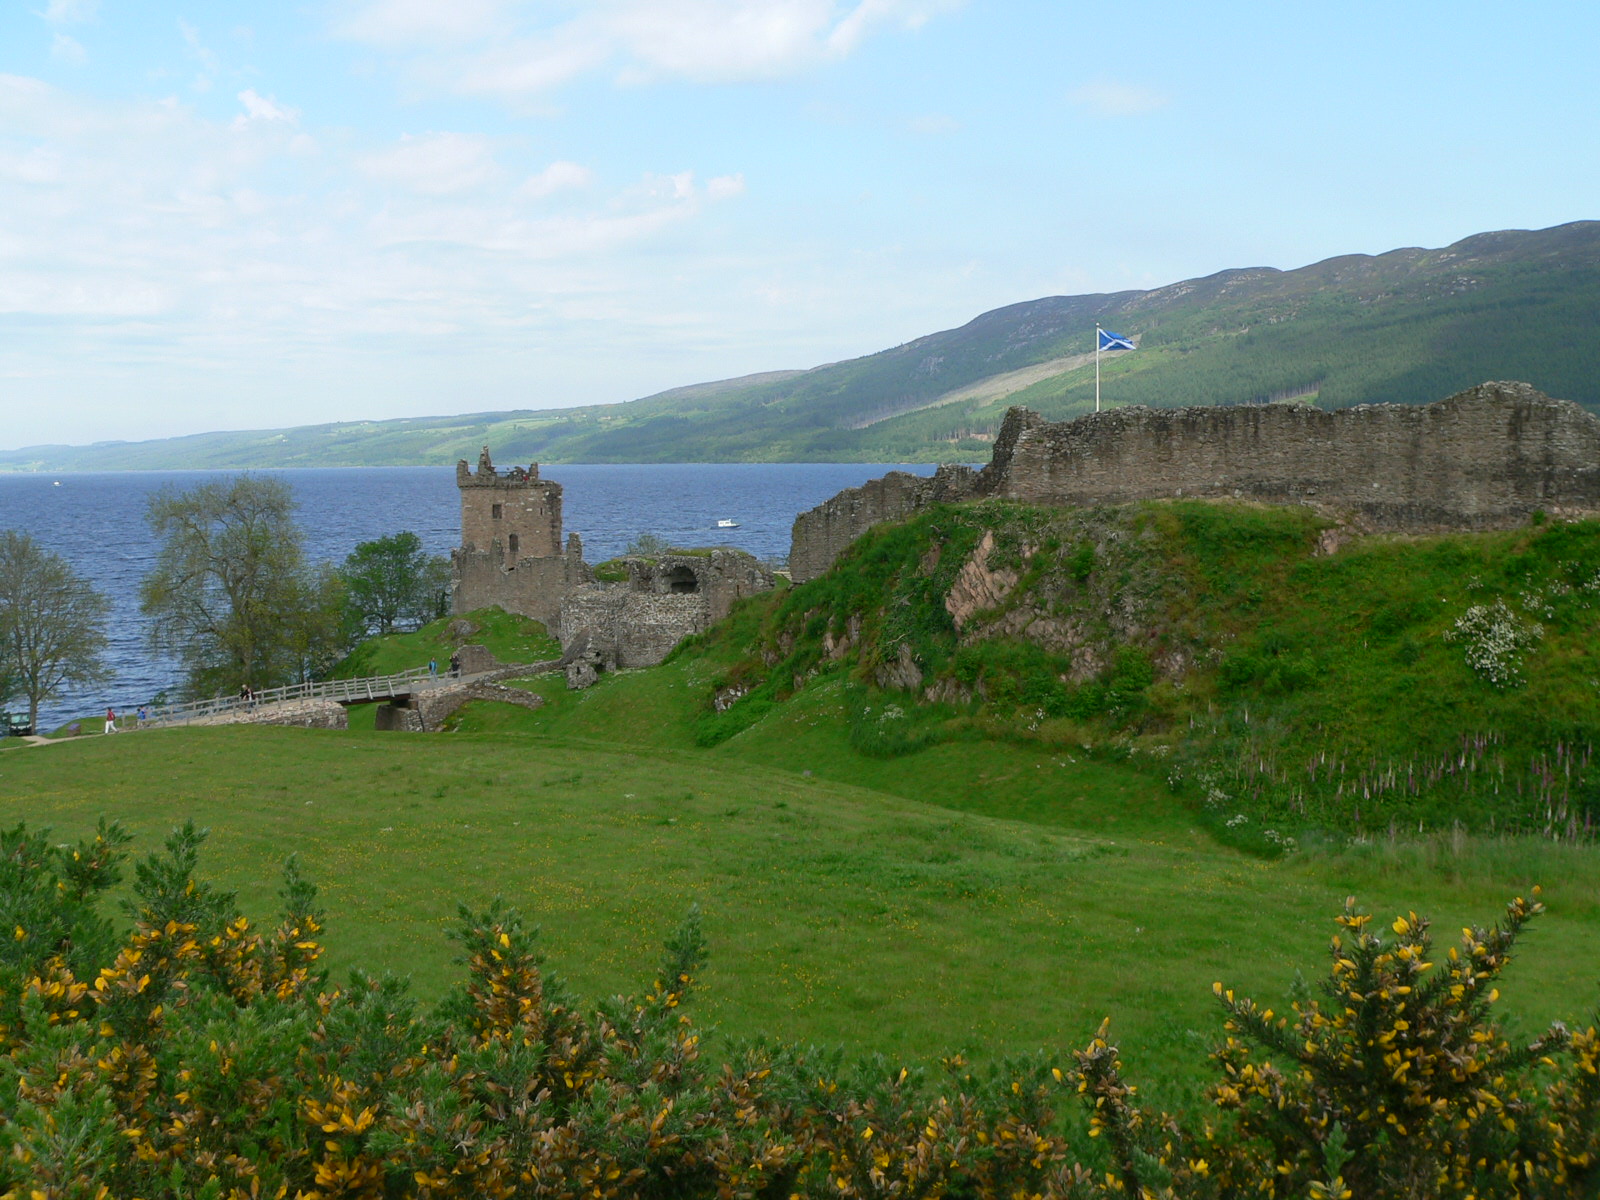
(34, 166)
(146, 250)
(515, 48)
(209, 63)
(68, 50)
(404, 22)
(71, 12)
(933, 125)
(436, 164)
(264, 108)
(1107, 98)
(557, 177)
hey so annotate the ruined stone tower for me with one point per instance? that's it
(511, 555)
(511, 552)
(515, 515)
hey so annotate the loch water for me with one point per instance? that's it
(96, 521)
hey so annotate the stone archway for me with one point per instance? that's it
(682, 581)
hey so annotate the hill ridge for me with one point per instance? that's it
(1404, 326)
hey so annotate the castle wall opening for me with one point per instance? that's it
(681, 581)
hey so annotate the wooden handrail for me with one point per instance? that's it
(374, 687)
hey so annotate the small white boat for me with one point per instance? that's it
(727, 524)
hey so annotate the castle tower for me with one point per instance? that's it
(509, 516)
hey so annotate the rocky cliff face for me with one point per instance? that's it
(1485, 458)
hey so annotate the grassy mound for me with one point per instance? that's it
(509, 637)
(1278, 686)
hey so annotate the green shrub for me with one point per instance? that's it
(207, 1060)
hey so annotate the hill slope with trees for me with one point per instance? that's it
(1408, 327)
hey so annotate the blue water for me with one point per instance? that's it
(96, 522)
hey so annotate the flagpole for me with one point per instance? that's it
(1097, 368)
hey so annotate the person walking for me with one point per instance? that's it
(111, 720)
(433, 668)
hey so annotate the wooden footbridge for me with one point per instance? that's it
(388, 688)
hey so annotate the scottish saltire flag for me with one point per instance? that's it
(1113, 341)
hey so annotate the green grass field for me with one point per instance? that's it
(977, 895)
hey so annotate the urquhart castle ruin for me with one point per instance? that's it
(1486, 458)
(512, 555)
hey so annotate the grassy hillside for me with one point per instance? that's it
(844, 913)
(1279, 688)
(1031, 834)
(1409, 326)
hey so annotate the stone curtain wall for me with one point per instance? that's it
(627, 628)
(820, 535)
(1485, 458)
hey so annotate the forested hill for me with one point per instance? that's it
(1409, 326)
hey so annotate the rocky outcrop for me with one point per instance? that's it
(1485, 458)
(976, 587)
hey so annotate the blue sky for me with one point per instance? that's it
(231, 215)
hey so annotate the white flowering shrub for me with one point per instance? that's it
(1495, 639)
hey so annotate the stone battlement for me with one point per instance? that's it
(1485, 458)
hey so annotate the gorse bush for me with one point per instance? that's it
(195, 1057)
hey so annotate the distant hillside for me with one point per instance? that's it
(1409, 326)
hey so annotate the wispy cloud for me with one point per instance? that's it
(167, 244)
(934, 125)
(210, 64)
(264, 108)
(436, 164)
(518, 48)
(557, 177)
(71, 12)
(1108, 98)
(68, 50)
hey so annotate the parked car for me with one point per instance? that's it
(15, 724)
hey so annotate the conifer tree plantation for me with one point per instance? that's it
(764, 920)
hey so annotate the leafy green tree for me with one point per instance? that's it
(230, 595)
(52, 624)
(648, 545)
(324, 630)
(391, 581)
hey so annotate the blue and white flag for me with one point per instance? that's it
(1113, 341)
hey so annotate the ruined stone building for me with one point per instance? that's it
(1483, 459)
(511, 552)
(512, 555)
